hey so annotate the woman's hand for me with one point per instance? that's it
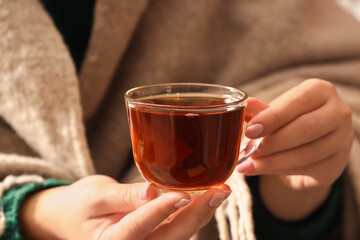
(307, 138)
(98, 207)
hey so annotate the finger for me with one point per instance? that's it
(314, 175)
(294, 158)
(254, 106)
(306, 97)
(115, 198)
(139, 223)
(304, 129)
(225, 188)
(193, 217)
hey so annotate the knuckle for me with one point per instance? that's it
(317, 83)
(313, 83)
(127, 196)
(306, 100)
(97, 201)
(274, 119)
(346, 113)
(98, 198)
(316, 92)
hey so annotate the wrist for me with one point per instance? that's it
(12, 201)
(290, 203)
(35, 215)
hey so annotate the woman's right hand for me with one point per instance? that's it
(98, 207)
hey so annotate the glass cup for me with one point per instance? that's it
(188, 136)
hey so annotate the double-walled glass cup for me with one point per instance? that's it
(188, 136)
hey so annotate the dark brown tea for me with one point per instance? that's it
(191, 150)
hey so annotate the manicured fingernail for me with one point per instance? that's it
(142, 192)
(217, 199)
(254, 131)
(227, 193)
(182, 203)
(245, 167)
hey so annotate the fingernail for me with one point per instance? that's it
(142, 192)
(254, 131)
(245, 167)
(182, 203)
(217, 199)
(227, 193)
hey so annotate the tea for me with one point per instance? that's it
(185, 150)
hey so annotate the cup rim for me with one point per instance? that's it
(242, 101)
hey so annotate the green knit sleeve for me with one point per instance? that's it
(12, 199)
(324, 223)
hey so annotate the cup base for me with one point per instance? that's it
(189, 191)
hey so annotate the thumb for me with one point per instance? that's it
(141, 222)
(125, 197)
